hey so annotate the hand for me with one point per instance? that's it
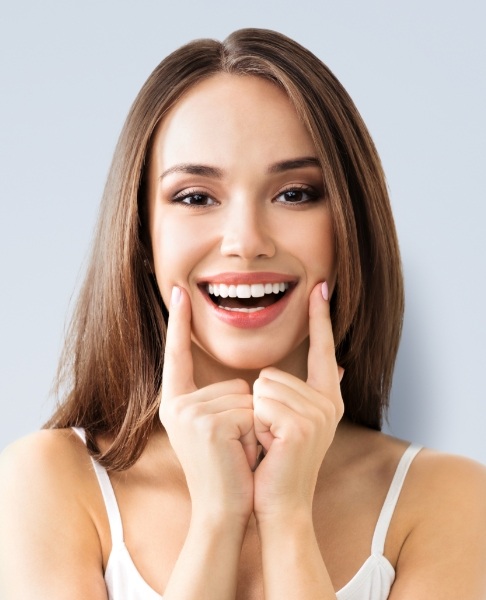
(210, 429)
(295, 421)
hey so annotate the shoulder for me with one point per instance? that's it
(444, 553)
(45, 458)
(444, 481)
(48, 511)
(46, 475)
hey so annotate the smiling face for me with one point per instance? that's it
(238, 218)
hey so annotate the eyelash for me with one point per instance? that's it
(312, 196)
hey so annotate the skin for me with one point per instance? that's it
(194, 502)
(245, 226)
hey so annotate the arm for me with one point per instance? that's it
(445, 554)
(207, 566)
(211, 432)
(292, 562)
(49, 546)
(295, 421)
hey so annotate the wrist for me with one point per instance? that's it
(219, 521)
(285, 522)
(284, 512)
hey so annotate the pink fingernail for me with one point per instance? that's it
(175, 296)
(325, 291)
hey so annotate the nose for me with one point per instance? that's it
(246, 232)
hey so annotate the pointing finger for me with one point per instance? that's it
(322, 369)
(178, 375)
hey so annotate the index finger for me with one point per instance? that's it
(178, 377)
(322, 369)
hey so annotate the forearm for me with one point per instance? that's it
(207, 566)
(292, 562)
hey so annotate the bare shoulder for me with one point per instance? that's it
(47, 518)
(54, 462)
(445, 551)
(445, 482)
(47, 448)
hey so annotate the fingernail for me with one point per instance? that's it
(325, 291)
(175, 296)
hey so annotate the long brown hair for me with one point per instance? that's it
(111, 368)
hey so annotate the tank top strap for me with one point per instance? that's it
(386, 514)
(111, 505)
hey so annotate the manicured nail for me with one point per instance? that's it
(325, 291)
(175, 296)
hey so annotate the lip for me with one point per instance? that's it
(248, 320)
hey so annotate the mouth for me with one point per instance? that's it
(248, 300)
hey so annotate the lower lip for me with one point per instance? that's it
(244, 320)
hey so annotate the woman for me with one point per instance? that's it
(246, 209)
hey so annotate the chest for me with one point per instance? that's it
(156, 522)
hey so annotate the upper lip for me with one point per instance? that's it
(247, 278)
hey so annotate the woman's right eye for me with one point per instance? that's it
(193, 199)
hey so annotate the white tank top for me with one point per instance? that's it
(373, 581)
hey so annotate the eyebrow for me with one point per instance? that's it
(214, 172)
(294, 163)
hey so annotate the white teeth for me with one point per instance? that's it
(255, 290)
(258, 290)
(245, 310)
(243, 291)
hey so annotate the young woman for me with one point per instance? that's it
(229, 363)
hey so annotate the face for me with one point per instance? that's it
(238, 218)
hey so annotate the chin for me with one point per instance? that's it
(247, 357)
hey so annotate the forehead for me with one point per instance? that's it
(231, 116)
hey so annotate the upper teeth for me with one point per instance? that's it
(255, 290)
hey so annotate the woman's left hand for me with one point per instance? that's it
(295, 421)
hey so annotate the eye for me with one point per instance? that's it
(298, 195)
(193, 198)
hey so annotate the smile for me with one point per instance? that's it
(250, 303)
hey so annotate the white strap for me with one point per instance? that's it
(111, 505)
(386, 514)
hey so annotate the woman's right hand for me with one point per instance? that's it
(210, 429)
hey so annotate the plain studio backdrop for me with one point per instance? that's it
(416, 71)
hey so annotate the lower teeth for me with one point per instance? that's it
(245, 310)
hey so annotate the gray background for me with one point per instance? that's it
(416, 70)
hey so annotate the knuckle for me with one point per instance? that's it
(333, 410)
(173, 408)
(240, 386)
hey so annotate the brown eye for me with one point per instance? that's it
(193, 199)
(297, 196)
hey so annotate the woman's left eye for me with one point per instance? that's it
(297, 196)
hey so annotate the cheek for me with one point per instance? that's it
(314, 243)
(176, 248)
